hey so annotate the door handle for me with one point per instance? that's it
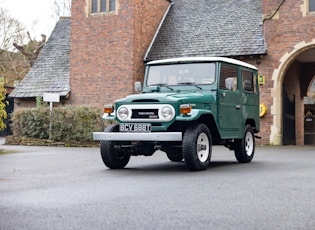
(237, 106)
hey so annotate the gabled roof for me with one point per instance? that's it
(51, 71)
(210, 28)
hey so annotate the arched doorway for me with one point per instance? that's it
(309, 113)
(291, 82)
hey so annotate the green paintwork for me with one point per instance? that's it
(230, 109)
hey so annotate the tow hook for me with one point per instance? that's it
(157, 146)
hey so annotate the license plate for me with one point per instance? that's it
(129, 127)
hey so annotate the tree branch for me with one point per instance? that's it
(31, 56)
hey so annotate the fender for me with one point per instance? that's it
(195, 114)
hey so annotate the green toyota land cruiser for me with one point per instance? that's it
(186, 105)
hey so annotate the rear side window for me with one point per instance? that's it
(249, 81)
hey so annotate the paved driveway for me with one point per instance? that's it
(70, 188)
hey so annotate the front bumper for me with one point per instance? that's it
(153, 136)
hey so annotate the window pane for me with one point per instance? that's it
(312, 5)
(94, 6)
(248, 81)
(228, 73)
(112, 5)
(182, 74)
(103, 6)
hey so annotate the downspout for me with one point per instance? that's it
(157, 31)
(270, 16)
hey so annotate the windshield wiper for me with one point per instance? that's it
(189, 83)
(163, 85)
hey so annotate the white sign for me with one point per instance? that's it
(51, 97)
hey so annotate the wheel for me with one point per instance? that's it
(174, 154)
(245, 147)
(113, 158)
(197, 147)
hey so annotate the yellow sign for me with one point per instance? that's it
(261, 79)
(262, 110)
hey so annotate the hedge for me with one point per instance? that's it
(69, 123)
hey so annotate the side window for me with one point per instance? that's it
(228, 78)
(311, 5)
(248, 81)
(102, 6)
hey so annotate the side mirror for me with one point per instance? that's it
(229, 83)
(138, 86)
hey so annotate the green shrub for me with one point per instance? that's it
(70, 123)
(3, 104)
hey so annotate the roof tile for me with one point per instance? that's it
(210, 28)
(51, 71)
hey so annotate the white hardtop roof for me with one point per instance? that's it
(202, 59)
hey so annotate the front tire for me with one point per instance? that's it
(113, 158)
(197, 147)
(245, 147)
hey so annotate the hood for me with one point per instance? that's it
(170, 97)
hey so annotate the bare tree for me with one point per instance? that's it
(13, 37)
(11, 31)
(32, 48)
(62, 7)
(13, 65)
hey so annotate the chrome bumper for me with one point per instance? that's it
(154, 136)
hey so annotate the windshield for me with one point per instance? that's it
(181, 74)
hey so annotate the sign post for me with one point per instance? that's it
(51, 97)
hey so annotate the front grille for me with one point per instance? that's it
(145, 114)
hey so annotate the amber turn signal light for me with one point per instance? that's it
(108, 109)
(185, 109)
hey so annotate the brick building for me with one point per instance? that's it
(289, 69)
(110, 41)
(108, 45)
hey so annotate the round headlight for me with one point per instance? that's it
(167, 112)
(122, 113)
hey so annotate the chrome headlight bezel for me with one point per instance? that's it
(122, 113)
(167, 113)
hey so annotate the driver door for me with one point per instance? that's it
(229, 111)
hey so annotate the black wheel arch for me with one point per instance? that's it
(252, 123)
(206, 119)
